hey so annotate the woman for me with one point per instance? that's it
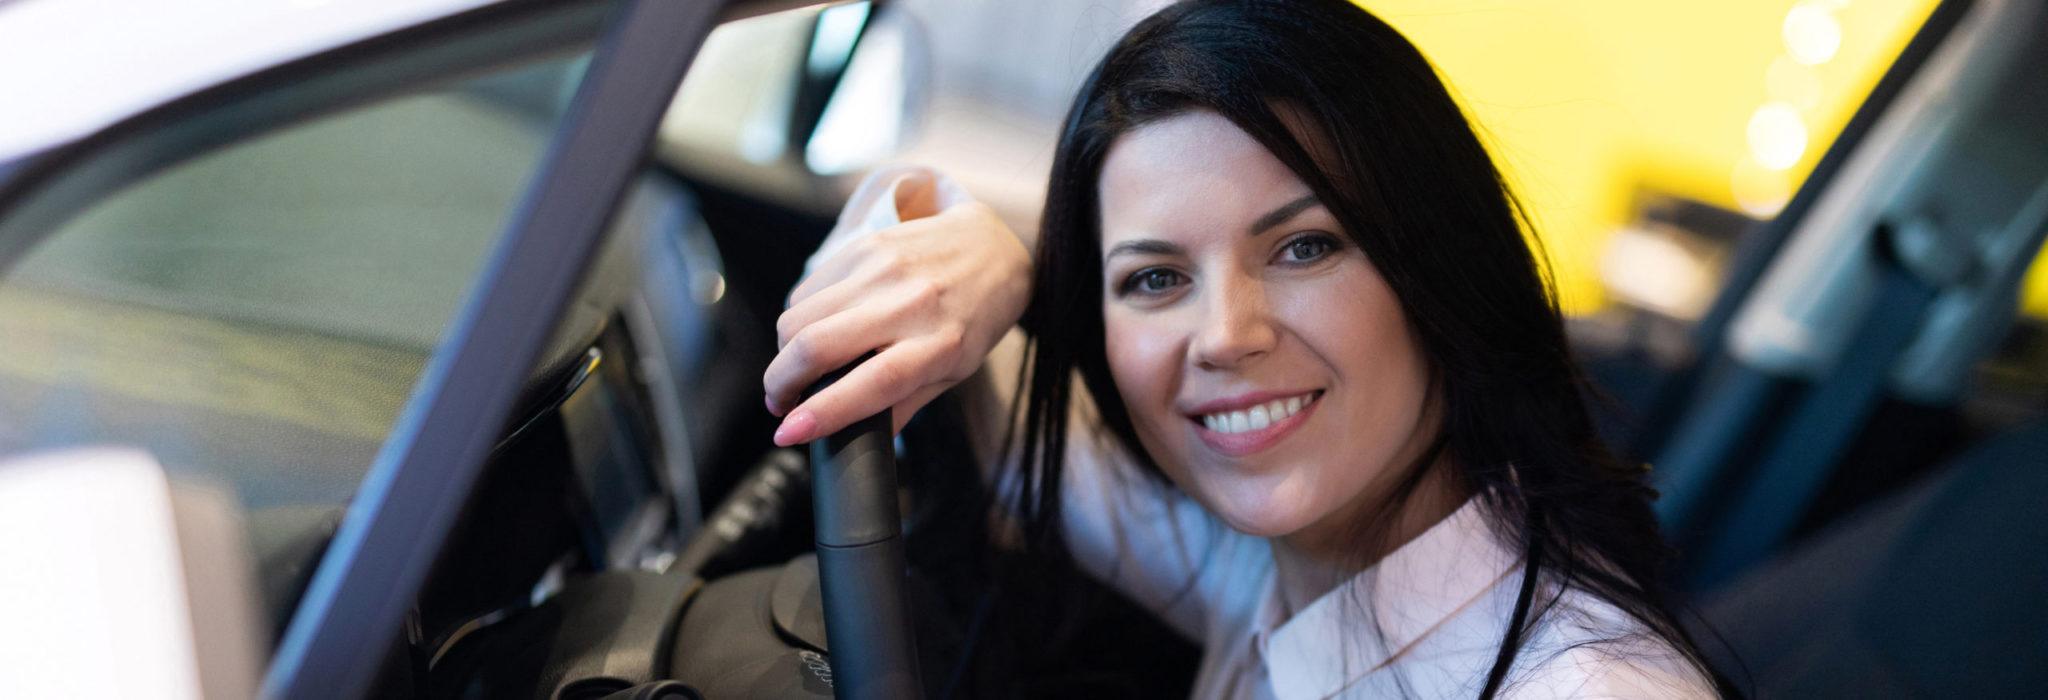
(1291, 283)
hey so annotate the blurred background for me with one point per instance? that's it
(1645, 138)
(1797, 241)
(1613, 118)
(1821, 471)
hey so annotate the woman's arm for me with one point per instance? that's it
(916, 271)
(934, 282)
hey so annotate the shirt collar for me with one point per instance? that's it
(1330, 644)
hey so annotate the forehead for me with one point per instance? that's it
(1194, 174)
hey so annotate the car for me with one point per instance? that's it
(450, 385)
(435, 332)
(263, 260)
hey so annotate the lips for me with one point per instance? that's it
(1249, 424)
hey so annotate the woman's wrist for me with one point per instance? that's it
(886, 197)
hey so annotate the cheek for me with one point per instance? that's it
(1145, 356)
(1355, 326)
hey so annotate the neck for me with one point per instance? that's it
(1318, 558)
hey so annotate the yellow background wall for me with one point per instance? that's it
(1588, 102)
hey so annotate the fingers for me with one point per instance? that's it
(828, 273)
(880, 383)
(822, 346)
(825, 303)
(931, 294)
(904, 313)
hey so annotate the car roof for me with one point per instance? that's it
(69, 68)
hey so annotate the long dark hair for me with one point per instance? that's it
(1402, 170)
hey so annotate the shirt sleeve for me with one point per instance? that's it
(879, 201)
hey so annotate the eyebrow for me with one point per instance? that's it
(1143, 246)
(1153, 246)
(1281, 215)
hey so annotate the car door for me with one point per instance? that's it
(335, 280)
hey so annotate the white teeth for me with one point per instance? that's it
(1257, 417)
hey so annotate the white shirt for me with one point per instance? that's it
(1425, 621)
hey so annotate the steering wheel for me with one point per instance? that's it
(861, 560)
(756, 634)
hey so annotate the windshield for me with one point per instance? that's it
(258, 315)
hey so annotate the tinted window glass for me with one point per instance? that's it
(259, 314)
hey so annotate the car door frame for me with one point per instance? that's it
(353, 610)
(415, 489)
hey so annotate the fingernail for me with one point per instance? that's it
(796, 429)
(770, 400)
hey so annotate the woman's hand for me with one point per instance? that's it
(931, 295)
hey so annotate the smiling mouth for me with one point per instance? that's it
(1257, 417)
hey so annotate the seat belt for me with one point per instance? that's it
(1802, 456)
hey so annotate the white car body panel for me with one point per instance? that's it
(69, 68)
(120, 583)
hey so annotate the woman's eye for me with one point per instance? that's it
(1308, 248)
(1151, 281)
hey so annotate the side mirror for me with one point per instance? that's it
(121, 583)
(780, 105)
(877, 96)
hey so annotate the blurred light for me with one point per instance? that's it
(1653, 270)
(1811, 34)
(710, 290)
(1777, 137)
(764, 138)
(838, 29)
(1792, 83)
(1758, 190)
(741, 92)
(863, 122)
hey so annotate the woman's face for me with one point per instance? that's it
(1265, 363)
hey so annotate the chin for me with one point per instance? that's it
(1262, 518)
(1275, 503)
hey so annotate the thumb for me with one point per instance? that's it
(917, 196)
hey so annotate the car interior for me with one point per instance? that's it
(1851, 442)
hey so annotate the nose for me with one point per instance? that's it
(1237, 325)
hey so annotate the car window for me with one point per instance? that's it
(258, 314)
